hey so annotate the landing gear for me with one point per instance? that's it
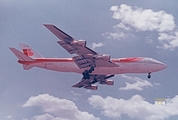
(91, 69)
(149, 75)
(86, 73)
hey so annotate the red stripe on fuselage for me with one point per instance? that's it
(54, 60)
(127, 60)
(41, 60)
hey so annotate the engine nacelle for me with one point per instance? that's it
(81, 43)
(103, 57)
(92, 87)
(107, 82)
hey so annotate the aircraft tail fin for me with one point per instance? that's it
(22, 57)
(29, 51)
(27, 54)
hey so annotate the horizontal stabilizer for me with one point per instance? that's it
(27, 67)
(78, 85)
(20, 55)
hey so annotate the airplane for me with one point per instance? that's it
(94, 67)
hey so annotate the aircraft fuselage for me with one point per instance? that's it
(124, 65)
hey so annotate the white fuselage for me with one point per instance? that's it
(125, 65)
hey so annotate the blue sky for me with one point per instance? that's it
(120, 28)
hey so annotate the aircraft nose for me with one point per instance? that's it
(161, 65)
(158, 65)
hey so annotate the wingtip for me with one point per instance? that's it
(11, 48)
(47, 25)
(73, 86)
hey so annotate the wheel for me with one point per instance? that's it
(149, 75)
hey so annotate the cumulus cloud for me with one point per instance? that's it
(73, 95)
(117, 35)
(148, 40)
(170, 41)
(137, 85)
(143, 19)
(62, 108)
(121, 32)
(96, 45)
(135, 107)
(122, 26)
(47, 117)
(110, 35)
(140, 19)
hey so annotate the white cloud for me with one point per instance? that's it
(96, 45)
(110, 35)
(61, 108)
(117, 35)
(157, 84)
(143, 19)
(148, 40)
(170, 41)
(135, 107)
(122, 26)
(137, 85)
(73, 96)
(47, 117)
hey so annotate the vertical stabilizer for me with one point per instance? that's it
(23, 57)
(20, 55)
(27, 50)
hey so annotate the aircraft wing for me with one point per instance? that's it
(59, 33)
(69, 43)
(89, 83)
(83, 83)
(85, 56)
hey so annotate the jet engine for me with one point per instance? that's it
(81, 43)
(103, 57)
(92, 87)
(107, 82)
